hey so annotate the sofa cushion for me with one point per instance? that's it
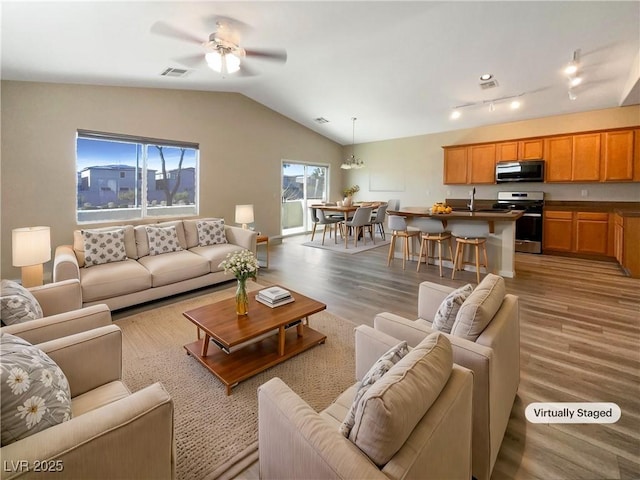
(113, 279)
(448, 309)
(174, 267)
(479, 308)
(99, 397)
(375, 373)
(191, 230)
(211, 232)
(215, 254)
(142, 240)
(103, 247)
(162, 240)
(17, 304)
(390, 410)
(129, 241)
(35, 392)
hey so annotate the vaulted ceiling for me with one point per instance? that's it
(399, 67)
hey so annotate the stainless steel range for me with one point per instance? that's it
(529, 226)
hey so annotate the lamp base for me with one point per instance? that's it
(32, 276)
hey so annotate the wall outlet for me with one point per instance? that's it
(584, 192)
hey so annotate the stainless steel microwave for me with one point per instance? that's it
(524, 171)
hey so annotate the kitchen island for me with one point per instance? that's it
(501, 226)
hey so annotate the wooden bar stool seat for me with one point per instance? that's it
(430, 240)
(459, 262)
(399, 228)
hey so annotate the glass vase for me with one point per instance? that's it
(242, 299)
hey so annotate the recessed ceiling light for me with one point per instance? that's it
(455, 114)
(486, 76)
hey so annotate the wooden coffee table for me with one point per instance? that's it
(249, 344)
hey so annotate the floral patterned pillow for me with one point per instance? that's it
(35, 392)
(448, 309)
(382, 366)
(162, 240)
(17, 304)
(103, 247)
(211, 232)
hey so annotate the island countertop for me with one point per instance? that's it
(482, 215)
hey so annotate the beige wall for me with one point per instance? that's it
(241, 142)
(411, 169)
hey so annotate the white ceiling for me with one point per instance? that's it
(399, 67)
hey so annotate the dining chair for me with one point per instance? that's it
(393, 204)
(399, 228)
(319, 218)
(378, 220)
(361, 220)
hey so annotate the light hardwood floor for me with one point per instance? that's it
(580, 342)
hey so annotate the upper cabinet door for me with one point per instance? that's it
(586, 158)
(636, 156)
(618, 156)
(482, 163)
(506, 151)
(558, 155)
(455, 165)
(530, 149)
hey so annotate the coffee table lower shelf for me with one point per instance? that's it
(232, 368)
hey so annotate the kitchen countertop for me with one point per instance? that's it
(490, 216)
(624, 208)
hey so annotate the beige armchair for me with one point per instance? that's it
(296, 442)
(494, 358)
(61, 304)
(113, 433)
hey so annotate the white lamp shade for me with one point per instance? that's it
(227, 63)
(31, 246)
(244, 214)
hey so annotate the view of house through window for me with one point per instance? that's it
(123, 178)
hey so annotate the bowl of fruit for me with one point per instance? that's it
(440, 208)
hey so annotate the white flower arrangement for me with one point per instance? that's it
(242, 264)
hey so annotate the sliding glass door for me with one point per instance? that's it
(302, 185)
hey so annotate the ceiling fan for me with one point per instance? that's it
(222, 52)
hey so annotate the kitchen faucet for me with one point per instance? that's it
(473, 196)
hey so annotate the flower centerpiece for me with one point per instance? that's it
(243, 265)
(349, 193)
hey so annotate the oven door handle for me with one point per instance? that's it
(532, 215)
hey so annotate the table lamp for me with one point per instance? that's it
(31, 248)
(244, 215)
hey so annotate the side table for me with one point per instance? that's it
(264, 240)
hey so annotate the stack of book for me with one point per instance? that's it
(274, 296)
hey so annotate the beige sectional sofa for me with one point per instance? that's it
(142, 277)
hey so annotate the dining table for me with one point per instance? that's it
(345, 210)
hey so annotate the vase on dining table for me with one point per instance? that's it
(348, 201)
(242, 299)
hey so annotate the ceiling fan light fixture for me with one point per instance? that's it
(223, 62)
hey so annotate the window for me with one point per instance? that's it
(122, 177)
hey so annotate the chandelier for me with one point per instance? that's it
(352, 161)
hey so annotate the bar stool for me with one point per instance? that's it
(466, 236)
(399, 228)
(432, 233)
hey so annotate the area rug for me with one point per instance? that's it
(339, 247)
(215, 432)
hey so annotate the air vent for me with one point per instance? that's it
(174, 72)
(321, 120)
(489, 84)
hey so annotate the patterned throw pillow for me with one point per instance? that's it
(448, 309)
(18, 304)
(35, 392)
(211, 232)
(382, 366)
(102, 247)
(162, 240)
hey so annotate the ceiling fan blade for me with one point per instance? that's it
(166, 30)
(246, 71)
(278, 55)
(193, 61)
(216, 22)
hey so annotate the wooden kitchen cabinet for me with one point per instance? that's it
(627, 239)
(529, 149)
(506, 151)
(557, 230)
(636, 155)
(618, 156)
(618, 238)
(455, 165)
(573, 158)
(558, 155)
(591, 232)
(482, 163)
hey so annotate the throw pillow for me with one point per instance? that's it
(35, 392)
(102, 247)
(210, 232)
(478, 310)
(18, 304)
(389, 411)
(448, 309)
(162, 240)
(382, 366)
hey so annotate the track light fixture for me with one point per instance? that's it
(572, 72)
(492, 103)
